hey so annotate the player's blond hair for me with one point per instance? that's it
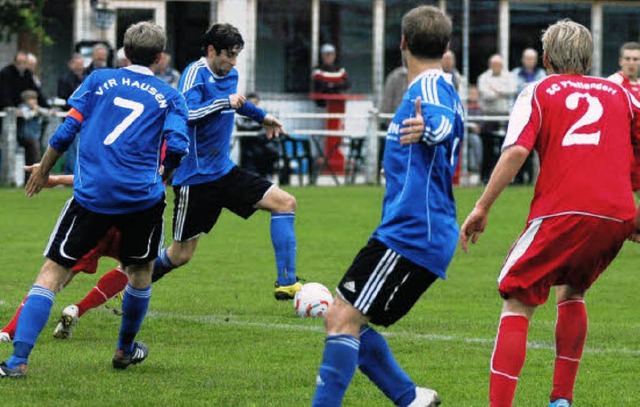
(143, 43)
(568, 47)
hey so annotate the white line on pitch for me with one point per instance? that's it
(219, 320)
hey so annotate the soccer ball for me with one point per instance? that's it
(312, 300)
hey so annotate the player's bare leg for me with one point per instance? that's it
(282, 206)
(176, 255)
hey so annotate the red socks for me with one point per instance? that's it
(109, 285)
(508, 358)
(571, 334)
(10, 328)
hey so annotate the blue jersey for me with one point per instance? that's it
(419, 214)
(211, 121)
(126, 115)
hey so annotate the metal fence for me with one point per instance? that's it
(367, 130)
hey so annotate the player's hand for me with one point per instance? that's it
(38, 180)
(237, 101)
(472, 228)
(52, 181)
(413, 128)
(272, 126)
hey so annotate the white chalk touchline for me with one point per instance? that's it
(222, 320)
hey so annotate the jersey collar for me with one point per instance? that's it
(139, 69)
(427, 72)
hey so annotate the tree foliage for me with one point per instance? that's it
(23, 16)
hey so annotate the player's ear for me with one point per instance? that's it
(157, 59)
(403, 43)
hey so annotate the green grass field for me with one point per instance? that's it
(218, 338)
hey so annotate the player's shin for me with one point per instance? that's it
(571, 333)
(283, 238)
(508, 358)
(336, 371)
(377, 362)
(33, 318)
(134, 308)
(162, 265)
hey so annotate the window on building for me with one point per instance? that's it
(283, 45)
(625, 20)
(347, 24)
(529, 20)
(186, 23)
(394, 10)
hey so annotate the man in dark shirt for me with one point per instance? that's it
(15, 78)
(68, 83)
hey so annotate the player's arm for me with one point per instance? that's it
(272, 126)
(432, 127)
(175, 134)
(199, 107)
(510, 162)
(520, 138)
(58, 144)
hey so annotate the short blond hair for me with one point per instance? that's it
(568, 47)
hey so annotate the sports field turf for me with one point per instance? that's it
(218, 338)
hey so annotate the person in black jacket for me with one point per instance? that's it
(68, 83)
(15, 78)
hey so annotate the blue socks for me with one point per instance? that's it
(33, 318)
(339, 363)
(161, 266)
(283, 237)
(134, 309)
(377, 362)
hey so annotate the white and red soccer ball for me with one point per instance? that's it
(312, 300)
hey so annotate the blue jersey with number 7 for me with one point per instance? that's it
(124, 116)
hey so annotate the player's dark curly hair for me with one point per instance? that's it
(221, 37)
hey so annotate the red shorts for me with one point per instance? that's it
(568, 249)
(109, 246)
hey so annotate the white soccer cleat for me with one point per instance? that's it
(425, 398)
(5, 337)
(67, 322)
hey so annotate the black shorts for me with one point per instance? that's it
(382, 284)
(79, 230)
(197, 207)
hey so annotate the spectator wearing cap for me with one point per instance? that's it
(329, 76)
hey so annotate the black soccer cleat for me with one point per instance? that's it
(122, 360)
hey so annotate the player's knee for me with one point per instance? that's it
(342, 318)
(288, 204)
(180, 258)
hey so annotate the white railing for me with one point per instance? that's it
(367, 128)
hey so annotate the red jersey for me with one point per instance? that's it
(622, 80)
(581, 128)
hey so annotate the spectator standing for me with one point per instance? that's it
(15, 78)
(529, 71)
(257, 153)
(69, 82)
(459, 81)
(121, 59)
(474, 140)
(525, 74)
(31, 130)
(329, 76)
(582, 212)
(165, 72)
(99, 56)
(496, 86)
